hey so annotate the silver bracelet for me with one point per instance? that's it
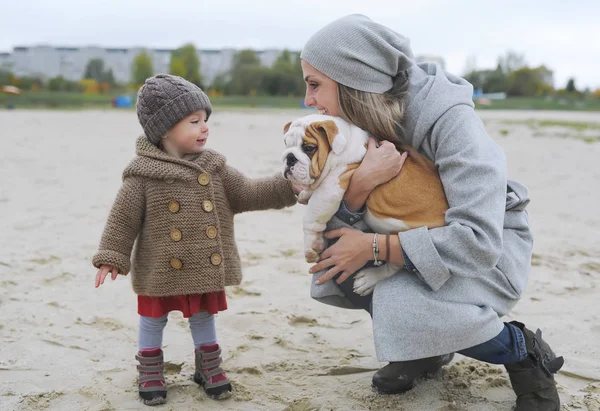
(375, 246)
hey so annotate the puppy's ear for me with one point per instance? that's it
(336, 140)
(287, 127)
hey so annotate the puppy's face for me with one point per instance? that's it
(309, 141)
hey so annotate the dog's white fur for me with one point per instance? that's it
(324, 194)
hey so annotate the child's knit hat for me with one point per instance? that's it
(164, 100)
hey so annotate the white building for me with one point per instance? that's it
(70, 62)
(428, 58)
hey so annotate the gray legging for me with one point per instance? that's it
(202, 325)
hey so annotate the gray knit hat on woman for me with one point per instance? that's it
(164, 100)
(359, 53)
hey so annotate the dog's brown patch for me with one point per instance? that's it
(415, 196)
(320, 134)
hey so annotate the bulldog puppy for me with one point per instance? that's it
(321, 155)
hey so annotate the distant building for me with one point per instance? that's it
(427, 58)
(70, 62)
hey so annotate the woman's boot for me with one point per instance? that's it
(398, 377)
(532, 379)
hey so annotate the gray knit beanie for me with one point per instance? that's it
(164, 100)
(359, 53)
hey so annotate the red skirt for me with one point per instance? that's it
(188, 304)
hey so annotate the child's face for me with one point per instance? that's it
(189, 135)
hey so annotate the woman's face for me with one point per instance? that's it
(321, 91)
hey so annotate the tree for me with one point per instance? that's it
(283, 78)
(141, 68)
(511, 61)
(529, 82)
(185, 63)
(94, 70)
(109, 78)
(246, 73)
(571, 86)
(59, 83)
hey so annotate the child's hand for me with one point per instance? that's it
(297, 189)
(103, 272)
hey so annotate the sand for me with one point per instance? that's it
(65, 345)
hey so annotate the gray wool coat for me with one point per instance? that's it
(470, 272)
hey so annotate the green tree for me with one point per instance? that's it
(511, 61)
(141, 68)
(219, 83)
(185, 63)
(528, 81)
(59, 83)
(6, 77)
(94, 70)
(109, 77)
(571, 86)
(246, 73)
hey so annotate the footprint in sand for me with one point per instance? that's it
(247, 370)
(303, 404)
(296, 321)
(102, 323)
(43, 261)
(62, 278)
(241, 291)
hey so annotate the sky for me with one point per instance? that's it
(562, 35)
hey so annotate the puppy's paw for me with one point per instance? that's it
(304, 196)
(365, 282)
(311, 256)
(319, 243)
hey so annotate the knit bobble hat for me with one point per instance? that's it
(164, 100)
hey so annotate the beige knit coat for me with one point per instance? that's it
(179, 213)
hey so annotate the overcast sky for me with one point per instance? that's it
(564, 35)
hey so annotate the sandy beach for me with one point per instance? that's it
(65, 345)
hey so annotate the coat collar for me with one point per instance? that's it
(151, 161)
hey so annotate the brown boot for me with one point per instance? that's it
(208, 373)
(532, 379)
(151, 381)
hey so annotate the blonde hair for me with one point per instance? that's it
(378, 114)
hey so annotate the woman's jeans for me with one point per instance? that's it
(508, 347)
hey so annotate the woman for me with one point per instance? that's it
(458, 279)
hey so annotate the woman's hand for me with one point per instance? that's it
(350, 253)
(103, 272)
(380, 165)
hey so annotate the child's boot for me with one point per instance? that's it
(151, 381)
(208, 373)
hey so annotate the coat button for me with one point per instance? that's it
(211, 232)
(173, 206)
(207, 206)
(169, 180)
(216, 259)
(176, 263)
(204, 179)
(175, 234)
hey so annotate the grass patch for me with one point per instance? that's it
(578, 126)
(75, 100)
